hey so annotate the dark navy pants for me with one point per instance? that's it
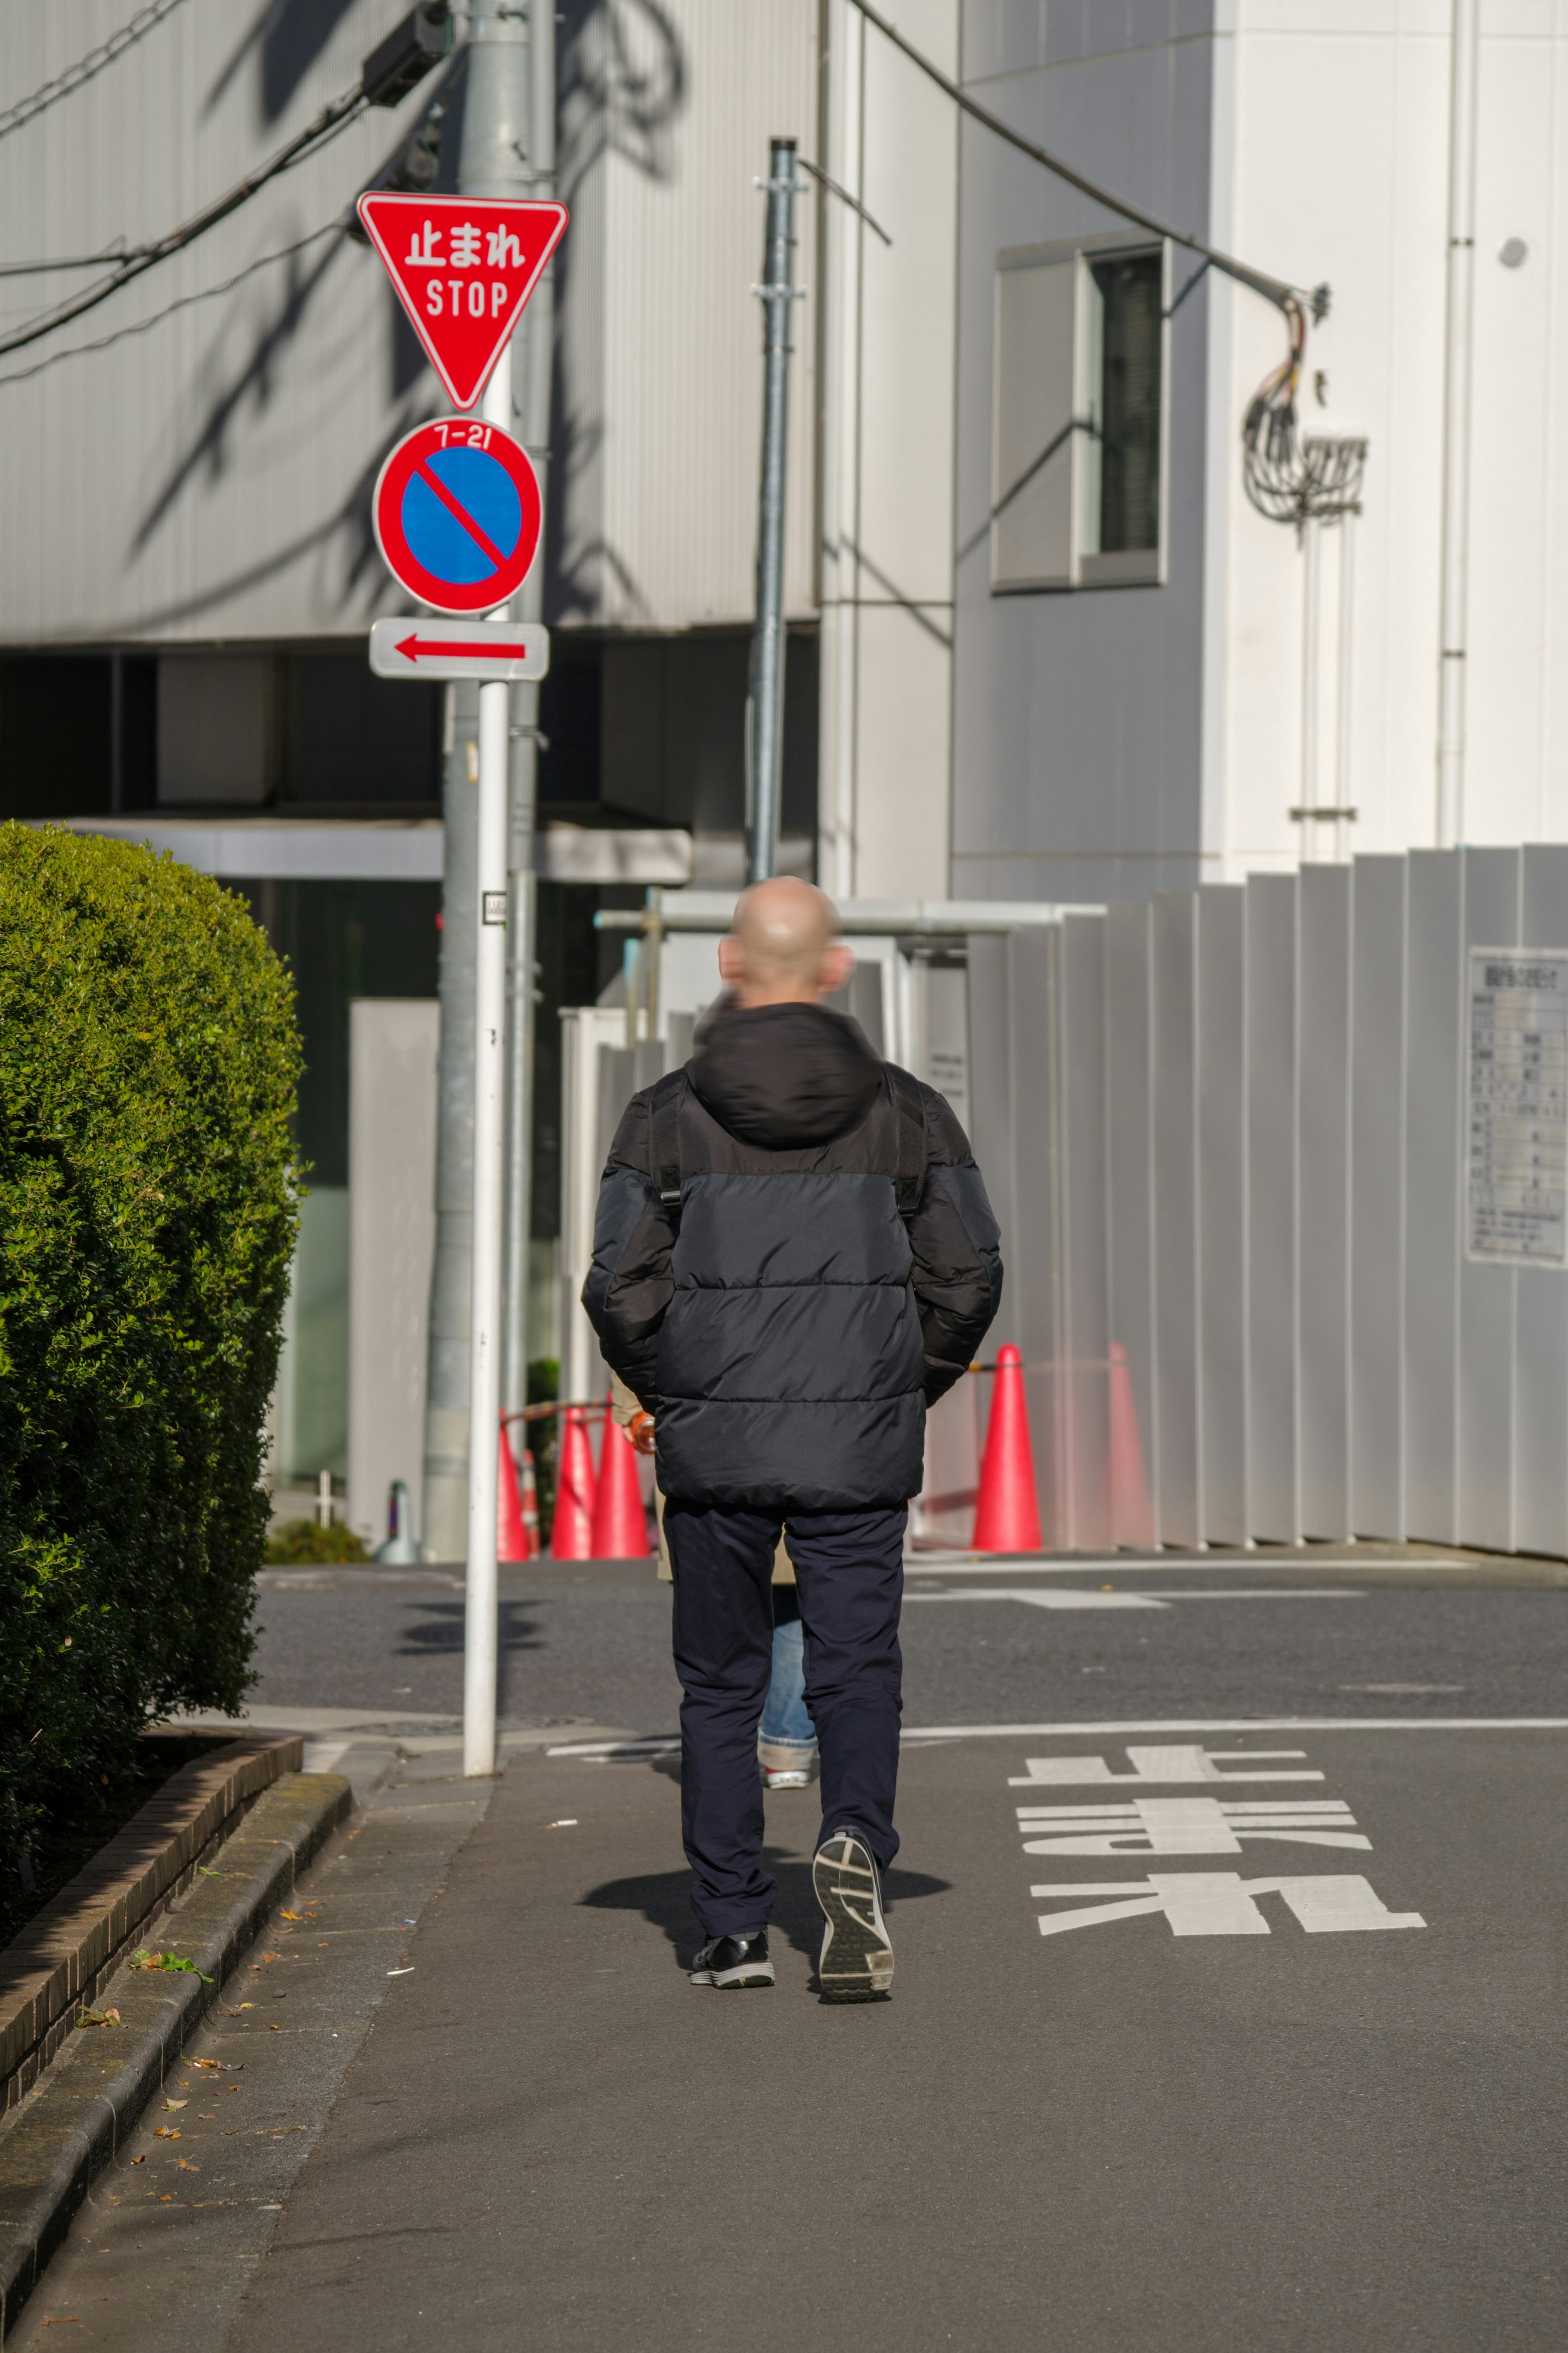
(849, 1571)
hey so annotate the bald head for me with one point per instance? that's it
(780, 949)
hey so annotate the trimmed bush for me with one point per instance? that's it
(148, 1184)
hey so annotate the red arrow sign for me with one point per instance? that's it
(413, 648)
(463, 267)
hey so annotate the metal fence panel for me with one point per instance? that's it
(1084, 1233)
(1432, 1192)
(991, 1107)
(1377, 1197)
(1541, 1383)
(1032, 982)
(1484, 1507)
(1323, 1178)
(1222, 1209)
(1174, 998)
(1129, 1174)
(1271, 1232)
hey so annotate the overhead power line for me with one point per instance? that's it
(182, 302)
(309, 142)
(1283, 296)
(13, 117)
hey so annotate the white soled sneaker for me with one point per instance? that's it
(731, 1962)
(857, 1960)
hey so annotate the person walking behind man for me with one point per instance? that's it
(793, 1256)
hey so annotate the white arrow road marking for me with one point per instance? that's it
(1188, 1825)
(1221, 1903)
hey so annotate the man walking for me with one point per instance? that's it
(795, 1256)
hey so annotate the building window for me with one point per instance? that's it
(1078, 488)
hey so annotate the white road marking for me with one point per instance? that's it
(1175, 1762)
(1188, 1825)
(1223, 1903)
(1180, 1563)
(1097, 1730)
(1063, 1598)
(1120, 1597)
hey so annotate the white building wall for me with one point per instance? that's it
(1331, 162)
(888, 327)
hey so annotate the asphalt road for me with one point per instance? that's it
(592, 1644)
(1194, 2043)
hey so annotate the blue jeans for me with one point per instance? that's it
(851, 1581)
(787, 1719)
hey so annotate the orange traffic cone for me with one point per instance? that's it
(512, 1541)
(529, 1504)
(1008, 1516)
(572, 1530)
(1131, 1512)
(620, 1524)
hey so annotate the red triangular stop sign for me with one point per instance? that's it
(463, 267)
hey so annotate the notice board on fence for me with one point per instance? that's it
(1517, 1141)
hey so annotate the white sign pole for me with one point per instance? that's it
(479, 1646)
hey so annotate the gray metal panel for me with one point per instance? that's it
(1032, 982)
(1433, 1062)
(1271, 1180)
(1541, 1385)
(1130, 1171)
(1222, 1210)
(1377, 1198)
(618, 1084)
(991, 1107)
(1486, 1349)
(391, 1240)
(1324, 1180)
(1175, 1215)
(1084, 1232)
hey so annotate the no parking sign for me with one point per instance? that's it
(457, 514)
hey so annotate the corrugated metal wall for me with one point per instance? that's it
(1231, 1132)
(666, 119)
(211, 477)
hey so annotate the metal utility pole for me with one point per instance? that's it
(765, 763)
(539, 347)
(462, 1414)
(1455, 619)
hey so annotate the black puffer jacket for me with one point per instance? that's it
(822, 1265)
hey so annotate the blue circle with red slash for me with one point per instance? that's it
(457, 514)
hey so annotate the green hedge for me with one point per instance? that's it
(148, 1182)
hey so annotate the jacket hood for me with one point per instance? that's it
(783, 1076)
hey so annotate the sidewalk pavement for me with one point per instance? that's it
(1100, 2141)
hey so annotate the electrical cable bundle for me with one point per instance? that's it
(1293, 479)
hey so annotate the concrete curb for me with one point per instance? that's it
(68, 1951)
(70, 2126)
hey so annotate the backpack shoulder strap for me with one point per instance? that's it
(909, 1174)
(668, 1094)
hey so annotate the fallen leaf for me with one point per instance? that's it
(176, 2104)
(60, 2320)
(139, 2161)
(165, 2132)
(167, 2198)
(277, 2029)
(98, 2018)
(187, 2167)
(207, 1871)
(290, 1916)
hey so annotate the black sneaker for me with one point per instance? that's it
(857, 1962)
(730, 1961)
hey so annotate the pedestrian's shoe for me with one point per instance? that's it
(788, 1764)
(857, 1962)
(730, 1961)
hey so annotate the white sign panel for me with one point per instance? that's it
(490, 650)
(1517, 1196)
